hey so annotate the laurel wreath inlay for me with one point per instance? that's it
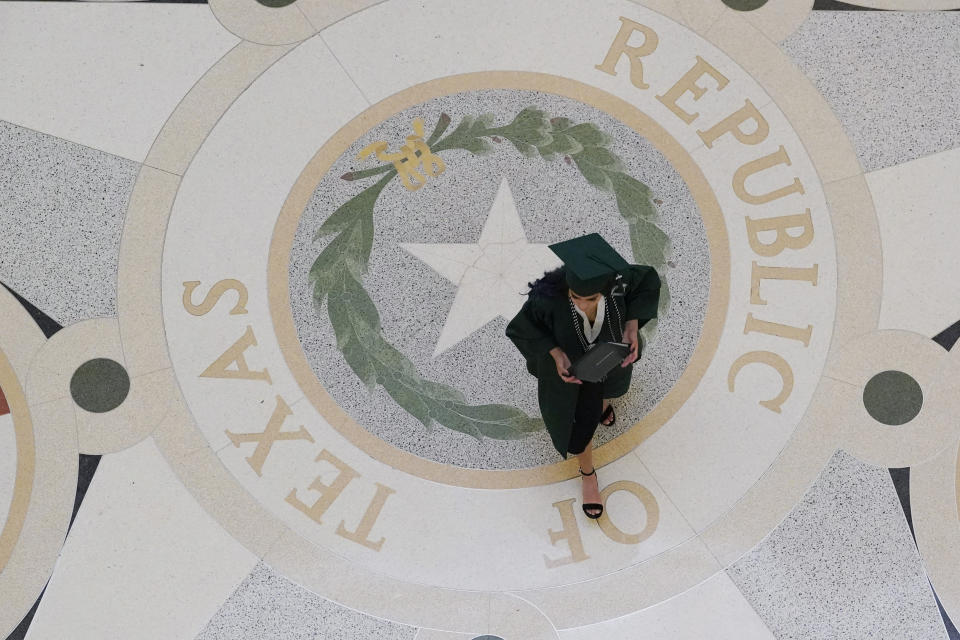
(337, 272)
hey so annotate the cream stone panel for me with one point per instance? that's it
(142, 560)
(530, 623)
(142, 69)
(916, 209)
(323, 13)
(626, 591)
(200, 109)
(713, 609)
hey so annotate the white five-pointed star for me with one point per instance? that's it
(491, 275)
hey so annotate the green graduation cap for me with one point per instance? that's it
(591, 263)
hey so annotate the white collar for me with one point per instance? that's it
(591, 332)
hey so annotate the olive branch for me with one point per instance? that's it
(336, 273)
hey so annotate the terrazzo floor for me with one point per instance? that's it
(258, 259)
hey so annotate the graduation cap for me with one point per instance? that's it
(591, 263)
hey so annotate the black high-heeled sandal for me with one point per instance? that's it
(608, 412)
(592, 506)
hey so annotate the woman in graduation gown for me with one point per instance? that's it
(596, 296)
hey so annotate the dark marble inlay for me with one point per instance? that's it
(100, 385)
(47, 325)
(154, 1)
(835, 5)
(744, 5)
(88, 466)
(892, 398)
(949, 336)
(952, 632)
(21, 631)
(901, 482)
(488, 638)
(4, 407)
(276, 4)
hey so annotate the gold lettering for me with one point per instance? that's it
(649, 503)
(780, 225)
(773, 361)
(328, 492)
(778, 330)
(756, 166)
(213, 296)
(733, 124)
(758, 273)
(621, 48)
(268, 436)
(570, 532)
(688, 83)
(362, 533)
(235, 355)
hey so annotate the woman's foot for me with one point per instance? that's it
(592, 502)
(608, 417)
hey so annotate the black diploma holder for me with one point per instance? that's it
(599, 360)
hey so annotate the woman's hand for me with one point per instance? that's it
(563, 365)
(631, 337)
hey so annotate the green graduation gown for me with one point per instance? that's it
(547, 322)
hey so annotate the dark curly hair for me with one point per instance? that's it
(553, 284)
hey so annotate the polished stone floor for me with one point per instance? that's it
(258, 258)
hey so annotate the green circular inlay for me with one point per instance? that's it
(744, 5)
(99, 385)
(892, 398)
(488, 638)
(276, 4)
